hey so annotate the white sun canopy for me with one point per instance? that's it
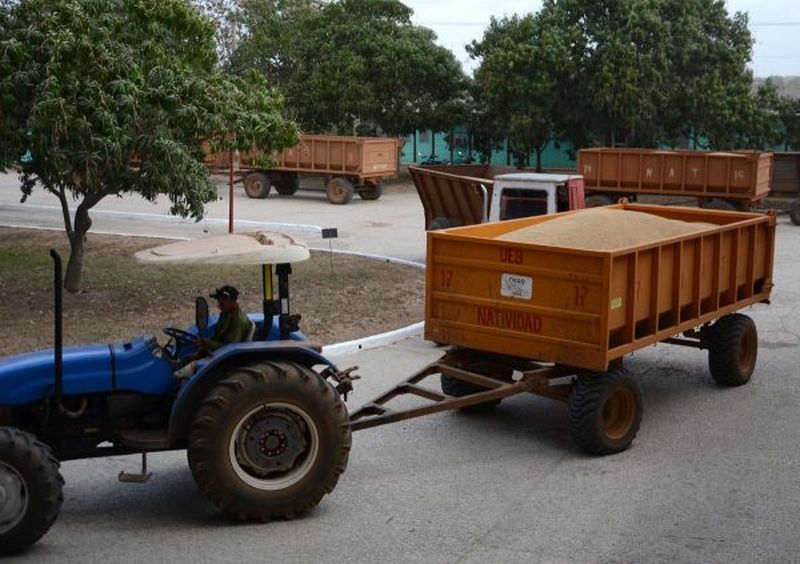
(262, 247)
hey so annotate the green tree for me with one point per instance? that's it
(118, 96)
(524, 63)
(351, 66)
(709, 87)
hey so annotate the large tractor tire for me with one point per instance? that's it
(269, 441)
(732, 349)
(598, 200)
(287, 184)
(605, 411)
(459, 388)
(257, 185)
(30, 490)
(794, 212)
(371, 191)
(340, 191)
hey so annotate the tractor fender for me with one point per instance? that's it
(223, 360)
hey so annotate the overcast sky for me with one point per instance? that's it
(775, 24)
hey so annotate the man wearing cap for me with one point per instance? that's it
(233, 326)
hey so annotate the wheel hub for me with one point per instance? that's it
(13, 498)
(272, 441)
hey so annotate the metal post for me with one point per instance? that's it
(269, 309)
(59, 330)
(230, 191)
(283, 271)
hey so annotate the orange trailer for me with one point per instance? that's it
(348, 165)
(557, 321)
(719, 180)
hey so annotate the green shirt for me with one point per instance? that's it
(232, 327)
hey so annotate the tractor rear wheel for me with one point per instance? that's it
(30, 490)
(340, 191)
(732, 349)
(605, 411)
(269, 441)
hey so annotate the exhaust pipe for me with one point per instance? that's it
(58, 284)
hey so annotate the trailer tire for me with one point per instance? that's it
(718, 204)
(340, 191)
(598, 200)
(257, 185)
(269, 441)
(605, 411)
(287, 184)
(440, 223)
(458, 388)
(794, 213)
(732, 349)
(371, 191)
(31, 487)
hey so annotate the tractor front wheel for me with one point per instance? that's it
(605, 411)
(30, 490)
(269, 442)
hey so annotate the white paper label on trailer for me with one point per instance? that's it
(516, 286)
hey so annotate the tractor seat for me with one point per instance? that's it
(251, 332)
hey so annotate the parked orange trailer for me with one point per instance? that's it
(719, 180)
(349, 165)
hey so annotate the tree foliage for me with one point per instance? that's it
(640, 72)
(118, 96)
(351, 65)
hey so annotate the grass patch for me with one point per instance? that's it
(121, 299)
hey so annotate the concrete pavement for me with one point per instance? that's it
(712, 476)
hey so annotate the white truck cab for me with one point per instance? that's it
(524, 194)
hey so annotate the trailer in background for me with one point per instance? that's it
(719, 180)
(348, 165)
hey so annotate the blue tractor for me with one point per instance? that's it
(263, 422)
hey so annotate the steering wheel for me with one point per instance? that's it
(181, 337)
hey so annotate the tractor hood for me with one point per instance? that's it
(262, 247)
(89, 369)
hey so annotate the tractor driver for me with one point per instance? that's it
(233, 326)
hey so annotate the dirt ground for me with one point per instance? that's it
(340, 297)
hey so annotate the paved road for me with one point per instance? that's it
(393, 225)
(712, 476)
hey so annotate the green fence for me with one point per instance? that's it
(423, 144)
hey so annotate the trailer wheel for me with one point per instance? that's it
(458, 388)
(598, 200)
(371, 191)
(269, 441)
(732, 349)
(440, 223)
(30, 490)
(718, 204)
(605, 411)
(794, 213)
(257, 185)
(287, 184)
(340, 191)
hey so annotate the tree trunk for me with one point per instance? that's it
(538, 159)
(72, 276)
